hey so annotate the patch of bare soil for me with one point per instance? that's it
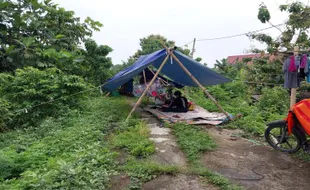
(179, 182)
(120, 182)
(255, 166)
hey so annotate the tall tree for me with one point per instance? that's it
(96, 62)
(28, 27)
(152, 43)
(296, 27)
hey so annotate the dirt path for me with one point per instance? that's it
(255, 166)
(168, 153)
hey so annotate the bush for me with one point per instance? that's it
(70, 152)
(10, 165)
(5, 114)
(274, 100)
(29, 90)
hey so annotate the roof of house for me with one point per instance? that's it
(235, 58)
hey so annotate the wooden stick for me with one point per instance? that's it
(196, 81)
(148, 99)
(293, 90)
(144, 77)
(159, 78)
(107, 94)
(148, 87)
(293, 97)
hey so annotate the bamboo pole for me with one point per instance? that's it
(148, 99)
(293, 90)
(144, 77)
(196, 81)
(159, 77)
(148, 87)
(293, 97)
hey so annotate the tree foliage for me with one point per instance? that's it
(31, 87)
(42, 58)
(151, 44)
(96, 64)
(263, 13)
(232, 71)
(29, 27)
(296, 27)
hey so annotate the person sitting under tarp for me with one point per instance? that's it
(127, 88)
(178, 104)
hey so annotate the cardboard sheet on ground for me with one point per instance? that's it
(196, 117)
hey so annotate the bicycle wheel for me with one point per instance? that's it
(289, 144)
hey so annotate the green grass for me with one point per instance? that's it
(302, 156)
(135, 141)
(79, 150)
(235, 99)
(70, 153)
(213, 178)
(145, 170)
(193, 141)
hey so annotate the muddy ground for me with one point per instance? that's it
(255, 166)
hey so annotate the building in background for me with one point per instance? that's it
(248, 58)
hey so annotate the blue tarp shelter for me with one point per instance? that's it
(177, 66)
(171, 69)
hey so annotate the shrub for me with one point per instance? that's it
(29, 90)
(274, 100)
(5, 114)
(10, 165)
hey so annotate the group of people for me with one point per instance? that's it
(178, 103)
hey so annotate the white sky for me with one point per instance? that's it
(126, 21)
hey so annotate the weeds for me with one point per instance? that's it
(67, 153)
(144, 170)
(213, 178)
(135, 141)
(193, 141)
(302, 155)
(235, 99)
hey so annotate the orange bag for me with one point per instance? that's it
(191, 106)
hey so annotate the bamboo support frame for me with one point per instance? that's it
(162, 80)
(200, 85)
(148, 100)
(148, 87)
(196, 81)
(293, 90)
(144, 77)
(170, 53)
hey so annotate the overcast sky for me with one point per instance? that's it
(126, 21)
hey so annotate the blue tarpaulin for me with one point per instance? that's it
(171, 69)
